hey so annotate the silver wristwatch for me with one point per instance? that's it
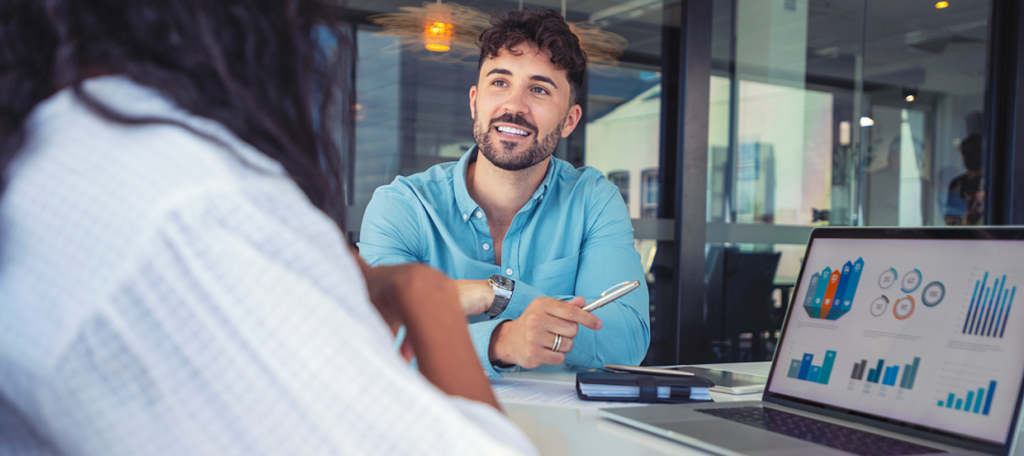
(503, 288)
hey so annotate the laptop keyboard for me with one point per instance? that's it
(820, 432)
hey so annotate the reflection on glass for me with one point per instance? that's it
(965, 201)
(848, 113)
(842, 113)
(623, 132)
(623, 140)
(621, 180)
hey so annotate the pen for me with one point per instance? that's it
(648, 370)
(612, 294)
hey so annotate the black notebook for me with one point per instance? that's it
(645, 388)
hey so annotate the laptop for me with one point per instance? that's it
(896, 342)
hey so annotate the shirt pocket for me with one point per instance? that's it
(557, 277)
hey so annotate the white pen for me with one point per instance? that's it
(612, 294)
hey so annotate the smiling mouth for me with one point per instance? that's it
(512, 132)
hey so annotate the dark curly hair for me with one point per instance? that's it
(545, 29)
(267, 70)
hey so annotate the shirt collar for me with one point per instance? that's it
(467, 206)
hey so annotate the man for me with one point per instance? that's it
(519, 228)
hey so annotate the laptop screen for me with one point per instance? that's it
(922, 331)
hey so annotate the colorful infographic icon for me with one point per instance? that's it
(887, 278)
(833, 291)
(933, 294)
(879, 305)
(802, 369)
(904, 308)
(911, 281)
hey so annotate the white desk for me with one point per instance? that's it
(562, 431)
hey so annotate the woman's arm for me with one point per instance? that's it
(427, 303)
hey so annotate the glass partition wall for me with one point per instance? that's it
(821, 113)
(832, 113)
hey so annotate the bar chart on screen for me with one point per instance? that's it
(990, 305)
(974, 401)
(830, 293)
(887, 374)
(803, 368)
(967, 389)
(883, 374)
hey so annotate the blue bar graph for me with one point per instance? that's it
(989, 308)
(876, 373)
(802, 369)
(890, 375)
(813, 375)
(887, 375)
(981, 400)
(805, 366)
(988, 399)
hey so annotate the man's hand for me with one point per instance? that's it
(527, 340)
(475, 296)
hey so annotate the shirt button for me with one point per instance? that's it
(479, 214)
(465, 217)
(508, 272)
(487, 247)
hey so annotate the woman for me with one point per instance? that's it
(173, 279)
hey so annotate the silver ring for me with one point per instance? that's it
(558, 342)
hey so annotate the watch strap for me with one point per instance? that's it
(503, 288)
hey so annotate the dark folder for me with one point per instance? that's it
(642, 388)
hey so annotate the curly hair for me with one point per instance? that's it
(268, 71)
(545, 29)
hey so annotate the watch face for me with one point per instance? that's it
(502, 293)
(502, 282)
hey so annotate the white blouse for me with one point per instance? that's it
(163, 295)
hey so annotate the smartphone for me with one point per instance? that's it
(726, 381)
(612, 294)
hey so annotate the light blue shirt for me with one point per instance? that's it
(572, 238)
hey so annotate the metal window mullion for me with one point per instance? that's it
(691, 172)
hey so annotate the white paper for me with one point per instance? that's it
(546, 393)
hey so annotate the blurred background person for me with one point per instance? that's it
(965, 203)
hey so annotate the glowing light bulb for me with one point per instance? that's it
(910, 98)
(438, 37)
(941, 5)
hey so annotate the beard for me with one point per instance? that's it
(503, 155)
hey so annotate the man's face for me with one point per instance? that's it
(520, 108)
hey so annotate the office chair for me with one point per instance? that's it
(739, 301)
